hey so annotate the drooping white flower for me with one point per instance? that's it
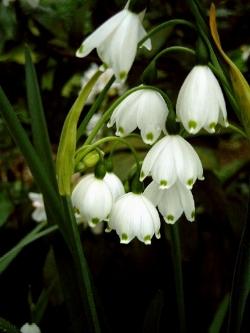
(171, 159)
(93, 197)
(39, 213)
(30, 328)
(172, 202)
(145, 109)
(200, 103)
(117, 88)
(116, 42)
(133, 215)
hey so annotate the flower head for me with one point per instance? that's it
(116, 42)
(133, 215)
(172, 202)
(93, 197)
(171, 159)
(200, 103)
(145, 109)
(39, 213)
(30, 328)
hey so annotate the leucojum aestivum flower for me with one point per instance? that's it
(145, 196)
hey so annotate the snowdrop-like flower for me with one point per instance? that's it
(171, 159)
(200, 103)
(116, 42)
(30, 328)
(93, 197)
(145, 109)
(133, 215)
(117, 88)
(39, 213)
(172, 202)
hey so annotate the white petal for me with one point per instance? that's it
(170, 206)
(114, 184)
(39, 214)
(101, 34)
(153, 193)
(187, 201)
(142, 33)
(30, 328)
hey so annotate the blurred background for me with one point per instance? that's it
(134, 283)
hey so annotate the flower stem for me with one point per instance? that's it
(164, 25)
(176, 258)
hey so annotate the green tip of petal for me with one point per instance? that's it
(193, 215)
(190, 182)
(212, 127)
(170, 218)
(150, 137)
(122, 75)
(80, 51)
(192, 125)
(163, 183)
(147, 239)
(120, 131)
(124, 237)
(142, 175)
(95, 220)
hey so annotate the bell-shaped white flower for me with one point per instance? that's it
(172, 202)
(39, 213)
(30, 328)
(133, 215)
(145, 109)
(93, 197)
(172, 159)
(200, 103)
(116, 42)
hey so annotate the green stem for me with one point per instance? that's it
(82, 269)
(237, 130)
(84, 150)
(165, 25)
(176, 259)
(94, 108)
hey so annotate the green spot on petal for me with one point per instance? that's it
(170, 217)
(150, 136)
(122, 75)
(147, 239)
(121, 130)
(190, 182)
(81, 48)
(124, 237)
(142, 175)
(192, 124)
(193, 214)
(212, 125)
(95, 220)
(163, 182)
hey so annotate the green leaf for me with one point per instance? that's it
(7, 327)
(6, 208)
(154, 313)
(67, 145)
(38, 122)
(220, 315)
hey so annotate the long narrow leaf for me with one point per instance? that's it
(36, 166)
(220, 315)
(38, 122)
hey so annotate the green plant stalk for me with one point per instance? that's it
(111, 109)
(85, 149)
(176, 259)
(164, 25)
(95, 107)
(82, 270)
(220, 315)
(38, 123)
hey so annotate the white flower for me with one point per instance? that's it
(39, 214)
(30, 328)
(171, 159)
(93, 197)
(200, 103)
(117, 88)
(145, 109)
(172, 202)
(133, 215)
(116, 42)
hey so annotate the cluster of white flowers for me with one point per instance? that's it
(172, 162)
